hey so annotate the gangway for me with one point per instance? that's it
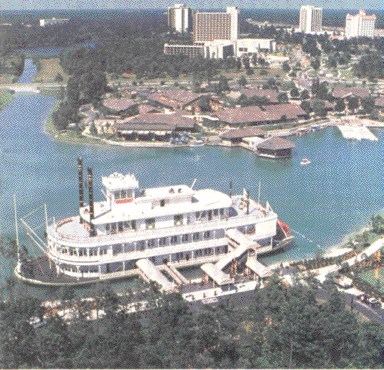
(220, 277)
(154, 274)
(258, 267)
(241, 244)
(172, 271)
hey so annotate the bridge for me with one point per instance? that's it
(32, 87)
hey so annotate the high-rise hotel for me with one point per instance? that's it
(180, 18)
(210, 26)
(311, 19)
(360, 25)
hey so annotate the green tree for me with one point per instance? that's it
(353, 103)
(242, 81)
(304, 95)
(295, 92)
(340, 105)
(286, 67)
(305, 105)
(282, 97)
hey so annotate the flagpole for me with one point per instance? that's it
(17, 230)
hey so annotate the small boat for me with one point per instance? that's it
(305, 161)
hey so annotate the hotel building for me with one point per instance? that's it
(311, 19)
(210, 26)
(180, 18)
(360, 25)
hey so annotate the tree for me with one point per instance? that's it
(59, 78)
(282, 97)
(315, 64)
(304, 95)
(286, 67)
(204, 103)
(353, 103)
(318, 107)
(295, 92)
(242, 81)
(340, 105)
(368, 103)
(305, 105)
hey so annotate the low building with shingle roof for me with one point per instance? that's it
(235, 136)
(341, 92)
(255, 115)
(173, 99)
(275, 148)
(119, 106)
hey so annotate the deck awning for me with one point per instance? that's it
(217, 275)
(258, 267)
(127, 132)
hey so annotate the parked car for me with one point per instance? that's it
(374, 303)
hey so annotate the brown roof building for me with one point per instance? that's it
(181, 99)
(253, 116)
(341, 92)
(275, 147)
(120, 106)
(235, 136)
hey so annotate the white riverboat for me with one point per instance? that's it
(172, 225)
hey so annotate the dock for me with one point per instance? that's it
(357, 133)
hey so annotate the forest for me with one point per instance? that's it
(277, 327)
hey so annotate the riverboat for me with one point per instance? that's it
(172, 225)
(305, 161)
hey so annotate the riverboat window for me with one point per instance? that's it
(162, 202)
(197, 215)
(123, 194)
(150, 223)
(113, 226)
(174, 239)
(133, 224)
(121, 229)
(178, 220)
(93, 269)
(107, 227)
(127, 225)
(204, 214)
(117, 194)
(196, 237)
(162, 241)
(215, 212)
(81, 252)
(221, 211)
(207, 235)
(103, 251)
(151, 243)
(93, 252)
(141, 245)
(185, 238)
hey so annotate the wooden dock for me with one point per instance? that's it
(357, 133)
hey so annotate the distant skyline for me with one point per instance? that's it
(195, 4)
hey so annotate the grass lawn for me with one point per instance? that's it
(49, 70)
(373, 276)
(5, 98)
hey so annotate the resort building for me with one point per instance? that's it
(188, 50)
(180, 18)
(275, 147)
(311, 19)
(360, 25)
(53, 21)
(210, 26)
(211, 49)
(236, 136)
(252, 46)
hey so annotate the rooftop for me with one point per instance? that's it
(276, 143)
(118, 105)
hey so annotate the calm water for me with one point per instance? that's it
(333, 196)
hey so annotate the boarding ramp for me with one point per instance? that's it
(217, 275)
(240, 244)
(357, 132)
(258, 267)
(153, 273)
(175, 274)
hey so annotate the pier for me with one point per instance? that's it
(357, 133)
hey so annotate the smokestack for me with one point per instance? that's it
(81, 183)
(247, 202)
(230, 188)
(91, 204)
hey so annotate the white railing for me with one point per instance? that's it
(137, 235)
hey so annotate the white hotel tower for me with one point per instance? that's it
(311, 19)
(360, 25)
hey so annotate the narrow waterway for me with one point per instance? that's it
(333, 196)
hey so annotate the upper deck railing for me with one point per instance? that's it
(137, 235)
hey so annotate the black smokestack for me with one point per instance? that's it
(91, 203)
(230, 188)
(81, 183)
